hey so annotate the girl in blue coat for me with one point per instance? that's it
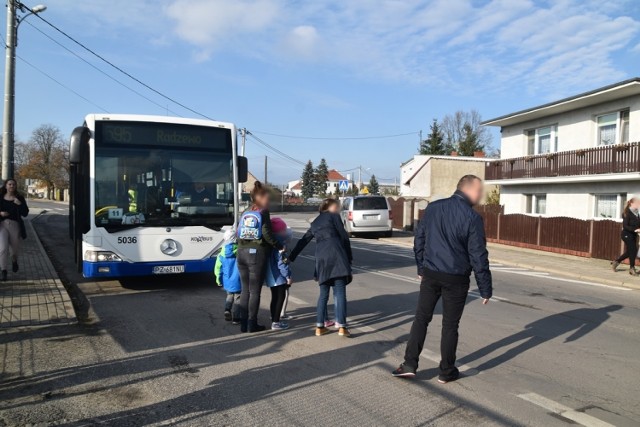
(278, 275)
(227, 274)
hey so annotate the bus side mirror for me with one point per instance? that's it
(243, 169)
(79, 143)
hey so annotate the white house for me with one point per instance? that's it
(333, 180)
(575, 157)
(436, 177)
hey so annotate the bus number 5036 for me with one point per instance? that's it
(127, 240)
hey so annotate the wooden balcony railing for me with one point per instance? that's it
(619, 158)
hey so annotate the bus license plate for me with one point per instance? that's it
(168, 269)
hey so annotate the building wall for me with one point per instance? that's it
(439, 176)
(576, 200)
(576, 129)
(447, 173)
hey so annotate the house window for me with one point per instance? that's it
(609, 205)
(613, 128)
(542, 140)
(540, 204)
(536, 204)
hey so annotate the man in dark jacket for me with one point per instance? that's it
(448, 245)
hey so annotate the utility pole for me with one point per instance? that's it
(359, 179)
(8, 120)
(265, 169)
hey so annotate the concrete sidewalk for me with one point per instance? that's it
(35, 295)
(578, 268)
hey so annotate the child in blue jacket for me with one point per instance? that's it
(278, 275)
(227, 274)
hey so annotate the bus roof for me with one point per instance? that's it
(92, 118)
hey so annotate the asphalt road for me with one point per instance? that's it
(156, 351)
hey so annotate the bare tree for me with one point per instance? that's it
(455, 128)
(45, 158)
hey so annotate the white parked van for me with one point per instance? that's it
(367, 214)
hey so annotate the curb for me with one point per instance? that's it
(66, 299)
(534, 267)
(563, 273)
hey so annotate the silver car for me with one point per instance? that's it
(367, 214)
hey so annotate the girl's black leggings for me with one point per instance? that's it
(631, 249)
(252, 265)
(278, 295)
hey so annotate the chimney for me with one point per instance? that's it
(478, 154)
(454, 154)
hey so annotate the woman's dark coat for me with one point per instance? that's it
(333, 249)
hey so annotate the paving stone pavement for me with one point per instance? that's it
(35, 295)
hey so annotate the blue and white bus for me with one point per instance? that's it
(151, 194)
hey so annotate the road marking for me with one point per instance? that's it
(297, 301)
(563, 411)
(430, 355)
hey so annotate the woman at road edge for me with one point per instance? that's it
(629, 235)
(333, 264)
(13, 208)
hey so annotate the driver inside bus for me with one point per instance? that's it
(201, 194)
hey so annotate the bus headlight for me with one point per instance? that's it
(101, 256)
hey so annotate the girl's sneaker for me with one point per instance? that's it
(344, 332)
(279, 326)
(285, 318)
(329, 323)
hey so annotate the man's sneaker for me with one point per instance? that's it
(444, 380)
(329, 323)
(227, 315)
(322, 331)
(279, 326)
(344, 332)
(404, 372)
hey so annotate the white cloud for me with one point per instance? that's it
(556, 46)
(211, 23)
(303, 41)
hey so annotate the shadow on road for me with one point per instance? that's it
(581, 322)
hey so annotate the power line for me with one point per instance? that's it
(340, 138)
(79, 95)
(275, 150)
(100, 70)
(111, 64)
(61, 84)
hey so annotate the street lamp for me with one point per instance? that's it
(8, 120)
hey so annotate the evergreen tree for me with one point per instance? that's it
(434, 144)
(374, 187)
(321, 178)
(308, 181)
(470, 142)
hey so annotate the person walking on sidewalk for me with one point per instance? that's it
(255, 244)
(629, 235)
(13, 208)
(333, 264)
(449, 243)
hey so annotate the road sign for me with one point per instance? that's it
(365, 190)
(343, 185)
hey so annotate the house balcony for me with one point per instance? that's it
(598, 162)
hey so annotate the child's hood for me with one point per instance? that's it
(229, 250)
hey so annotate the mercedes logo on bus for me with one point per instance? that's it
(169, 247)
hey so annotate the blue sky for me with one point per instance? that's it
(325, 68)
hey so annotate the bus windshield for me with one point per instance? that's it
(140, 183)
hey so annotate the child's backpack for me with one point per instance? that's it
(250, 226)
